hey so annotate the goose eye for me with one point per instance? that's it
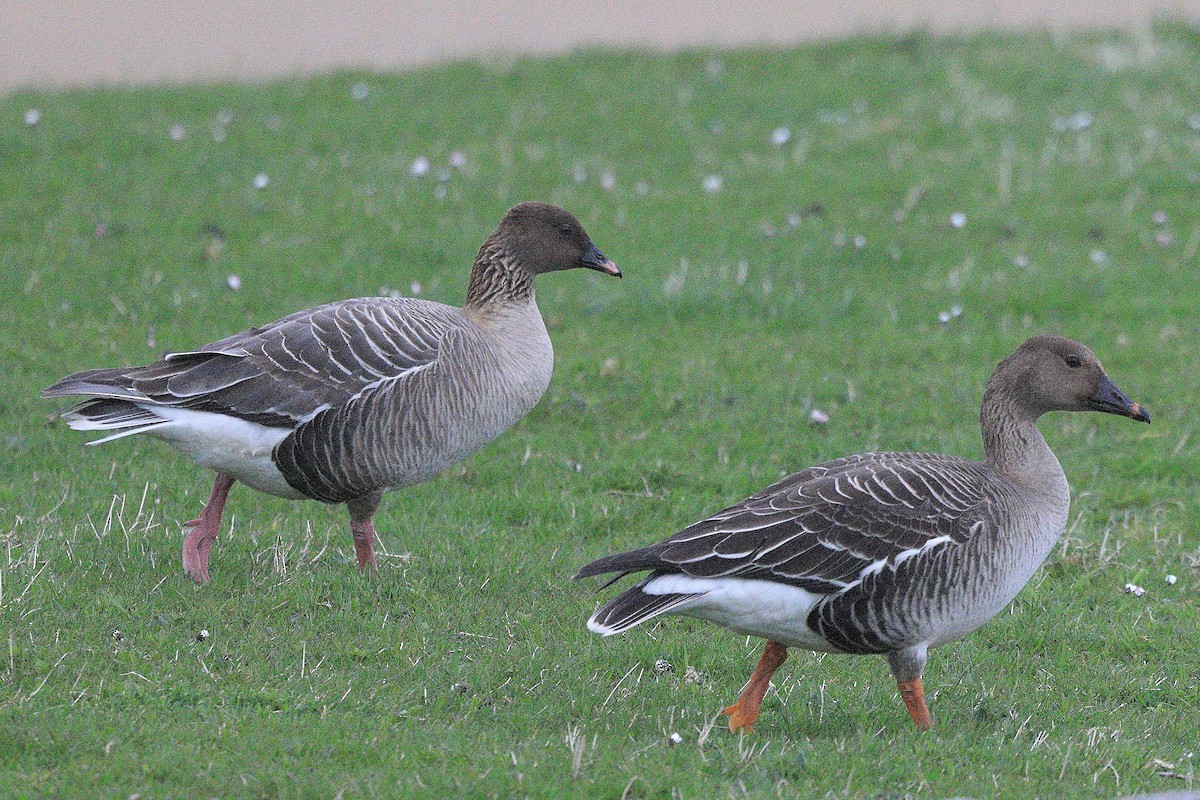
(1073, 361)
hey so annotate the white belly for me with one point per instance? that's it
(766, 609)
(233, 446)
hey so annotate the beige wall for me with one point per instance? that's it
(84, 42)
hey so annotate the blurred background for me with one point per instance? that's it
(47, 44)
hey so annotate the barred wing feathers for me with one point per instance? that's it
(285, 373)
(824, 530)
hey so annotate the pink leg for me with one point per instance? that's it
(203, 533)
(362, 527)
(364, 543)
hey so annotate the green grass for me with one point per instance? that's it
(464, 668)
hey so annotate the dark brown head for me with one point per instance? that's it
(546, 238)
(1053, 373)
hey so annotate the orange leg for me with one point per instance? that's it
(914, 698)
(744, 712)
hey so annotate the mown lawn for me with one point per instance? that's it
(785, 220)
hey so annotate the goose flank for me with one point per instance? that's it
(342, 402)
(885, 553)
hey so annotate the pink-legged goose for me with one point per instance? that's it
(344, 401)
(890, 553)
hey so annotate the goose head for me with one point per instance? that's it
(546, 238)
(1053, 373)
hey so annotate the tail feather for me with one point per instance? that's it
(624, 563)
(633, 607)
(104, 414)
(98, 382)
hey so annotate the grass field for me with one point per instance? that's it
(784, 221)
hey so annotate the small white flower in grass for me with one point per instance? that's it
(439, 191)
(608, 180)
(955, 311)
(360, 91)
(1021, 261)
(261, 180)
(641, 188)
(224, 117)
(831, 117)
(781, 135)
(944, 317)
(579, 174)
(1134, 589)
(860, 242)
(713, 183)
(416, 287)
(419, 166)
(458, 159)
(218, 134)
(177, 132)
(1159, 217)
(1194, 122)
(33, 116)
(674, 739)
(202, 635)
(1098, 257)
(673, 284)
(1163, 239)
(1079, 121)
(958, 219)
(1172, 580)
(233, 282)
(818, 417)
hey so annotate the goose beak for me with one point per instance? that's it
(594, 259)
(1111, 400)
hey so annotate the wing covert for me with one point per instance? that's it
(285, 373)
(827, 528)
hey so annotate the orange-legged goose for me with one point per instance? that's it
(890, 553)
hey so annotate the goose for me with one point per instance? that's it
(885, 553)
(341, 402)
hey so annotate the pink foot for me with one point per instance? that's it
(204, 529)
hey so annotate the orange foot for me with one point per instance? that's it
(744, 713)
(742, 719)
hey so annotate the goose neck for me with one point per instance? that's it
(497, 279)
(1014, 446)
